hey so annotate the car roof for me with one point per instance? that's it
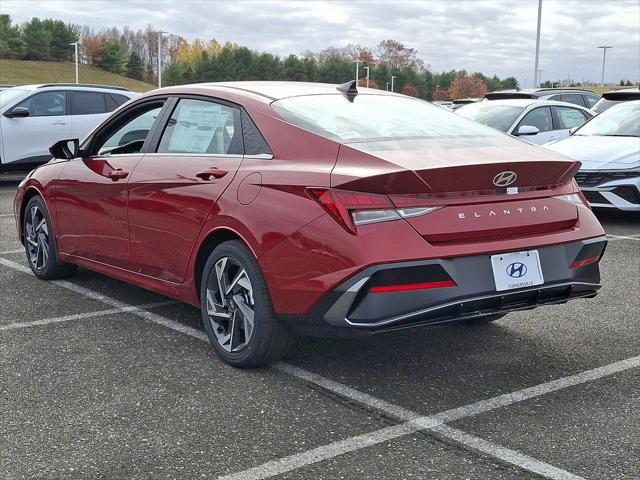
(75, 86)
(535, 92)
(269, 91)
(622, 94)
(526, 102)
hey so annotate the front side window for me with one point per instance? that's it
(46, 104)
(371, 118)
(539, 118)
(198, 126)
(570, 117)
(128, 137)
(87, 103)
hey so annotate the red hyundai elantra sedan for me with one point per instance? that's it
(285, 208)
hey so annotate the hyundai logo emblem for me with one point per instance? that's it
(517, 270)
(504, 179)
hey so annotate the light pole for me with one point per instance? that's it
(357, 62)
(535, 71)
(539, 79)
(604, 57)
(437, 92)
(160, 32)
(388, 86)
(367, 69)
(392, 79)
(75, 44)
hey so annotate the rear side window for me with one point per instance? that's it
(591, 100)
(198, 126)
(119, 99)
(570, 117)
(574, 98)
(539, 118)
(46, 104)
(88, 103)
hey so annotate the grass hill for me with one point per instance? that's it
(16, 72)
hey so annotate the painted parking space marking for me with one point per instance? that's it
(412, 422)
(624, 237)
(8, 252)
(81, 316)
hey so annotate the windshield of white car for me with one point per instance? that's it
(10, 94)
(501, 117)
(375, 118)
(621, 120)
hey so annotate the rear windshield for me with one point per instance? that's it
(500, 117)
(375, 118)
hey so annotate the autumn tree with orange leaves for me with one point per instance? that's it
(467, 86)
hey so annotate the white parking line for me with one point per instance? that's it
(6, 252)
(6, 215)
(624, 237)
(412, 422)
(80, 316)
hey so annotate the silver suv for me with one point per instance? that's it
(34, 117)
(584, 98)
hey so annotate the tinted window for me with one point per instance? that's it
(591, 100)
(120, 99)
(87, 103)
(128, 137)
(574, 98)
(570, 117)
(197, 126)
(539, 118)
(46, 104)
(376, 118)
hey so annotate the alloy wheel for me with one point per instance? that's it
(230, 305)
(37, 238)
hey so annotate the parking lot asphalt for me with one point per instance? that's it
(100, 379)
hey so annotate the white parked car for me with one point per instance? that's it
(34, 117)
(537, 121)
(609, 148)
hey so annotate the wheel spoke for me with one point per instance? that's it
(220, 272)
(247, 317)
(233, 333)
(32, 242)
(242, 275)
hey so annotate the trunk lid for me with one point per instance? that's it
(487, 188)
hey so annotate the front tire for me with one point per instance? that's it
(237, 312)
(40, 243)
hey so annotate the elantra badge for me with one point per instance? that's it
(504, 179)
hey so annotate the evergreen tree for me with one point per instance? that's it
(62, 35)
(113, 58)
(135, 67)
(37, 39)
(10, 38)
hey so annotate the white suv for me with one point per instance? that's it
(34, 117)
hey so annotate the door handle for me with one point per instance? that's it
(117, 174)
(207, 173)
(59, 123)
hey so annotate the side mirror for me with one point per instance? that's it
(572, 130)
(18, 112)
(527, 130)
(66, 149)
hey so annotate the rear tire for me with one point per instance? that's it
(236, 309)
(40, 243)
(483, 320)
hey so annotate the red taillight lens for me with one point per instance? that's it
(351, 209)
(585, 261)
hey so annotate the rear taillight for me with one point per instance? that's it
(351, 209)
(576, 197)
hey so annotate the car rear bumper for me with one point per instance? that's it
(468, 290)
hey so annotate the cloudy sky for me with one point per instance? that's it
(490, 36)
